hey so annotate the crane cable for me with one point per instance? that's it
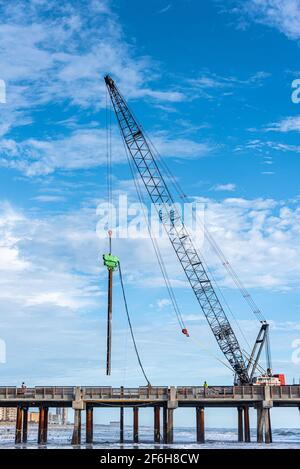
(109, 197)
(216, 248)
(130, 327)
(161, 262)
(163, 268)
(246, 295)
(156, 247)
(109, 158)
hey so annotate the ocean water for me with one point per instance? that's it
(106, 436)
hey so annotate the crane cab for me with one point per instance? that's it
(267, 380)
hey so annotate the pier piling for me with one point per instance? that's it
(165, 426)
(89, 425)
(270, 426)
(18, 436)
(260, 425)
(122, 417)
(264, 425)
(43, 425)
(268, 438)
(240, 425)
(41, 428)
(200, 425)
(121, 424)
(157, 424)
(76, 438)
(247, 424)
(170, 433)
(45, 436)
(135, 424)
(25, 425)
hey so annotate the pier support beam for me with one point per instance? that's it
(165, 426)
(157, 424)
(45, 436)
(41, 427)
(247, 424)
(200, 425)
(268, 436)
(135, 424)
(264, 425)
(18, 436)
(260, 425)
(25, 424)
(89, 425)
(240, 425)
(170, 425)
(122, 417)
(76, 438)
(121, 424)
(270, 426)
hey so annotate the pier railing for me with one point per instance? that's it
(181, 393)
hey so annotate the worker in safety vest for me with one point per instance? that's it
(205, 385)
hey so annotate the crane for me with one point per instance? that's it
(143, 157)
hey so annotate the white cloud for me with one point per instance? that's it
(266, 147)
(283, 15)
(11, 259)
(163, 302)
(58, 277)
(207, 82)
(86, 149)
(261, 233)
(37, 260)
(165, 9)
(49, 198)
(229, 187)
(289, 124)
(64, 56)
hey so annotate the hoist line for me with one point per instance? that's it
(130, 327)
(255, 309)
(109, 159)
(176, 308)
(163, 268)
(216, 248)
(156, 247)
(197, 342)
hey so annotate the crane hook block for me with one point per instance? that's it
(110, 261)
(185, 332)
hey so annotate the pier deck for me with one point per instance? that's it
(83, 398)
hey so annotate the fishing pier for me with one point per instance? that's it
(167, 399)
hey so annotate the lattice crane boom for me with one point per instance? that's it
(180, 239)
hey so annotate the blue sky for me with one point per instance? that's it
(211, 81)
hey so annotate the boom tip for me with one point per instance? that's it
(108, 80)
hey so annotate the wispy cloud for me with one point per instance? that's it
(289, 124)
(62, 57)
(83, 149)
(265, 147)
(207, 82)
(229, 187)
(165, 9)
(283, 15)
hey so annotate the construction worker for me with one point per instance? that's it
(205, 385)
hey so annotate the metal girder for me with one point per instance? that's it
(261, 341)
(181, 241)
